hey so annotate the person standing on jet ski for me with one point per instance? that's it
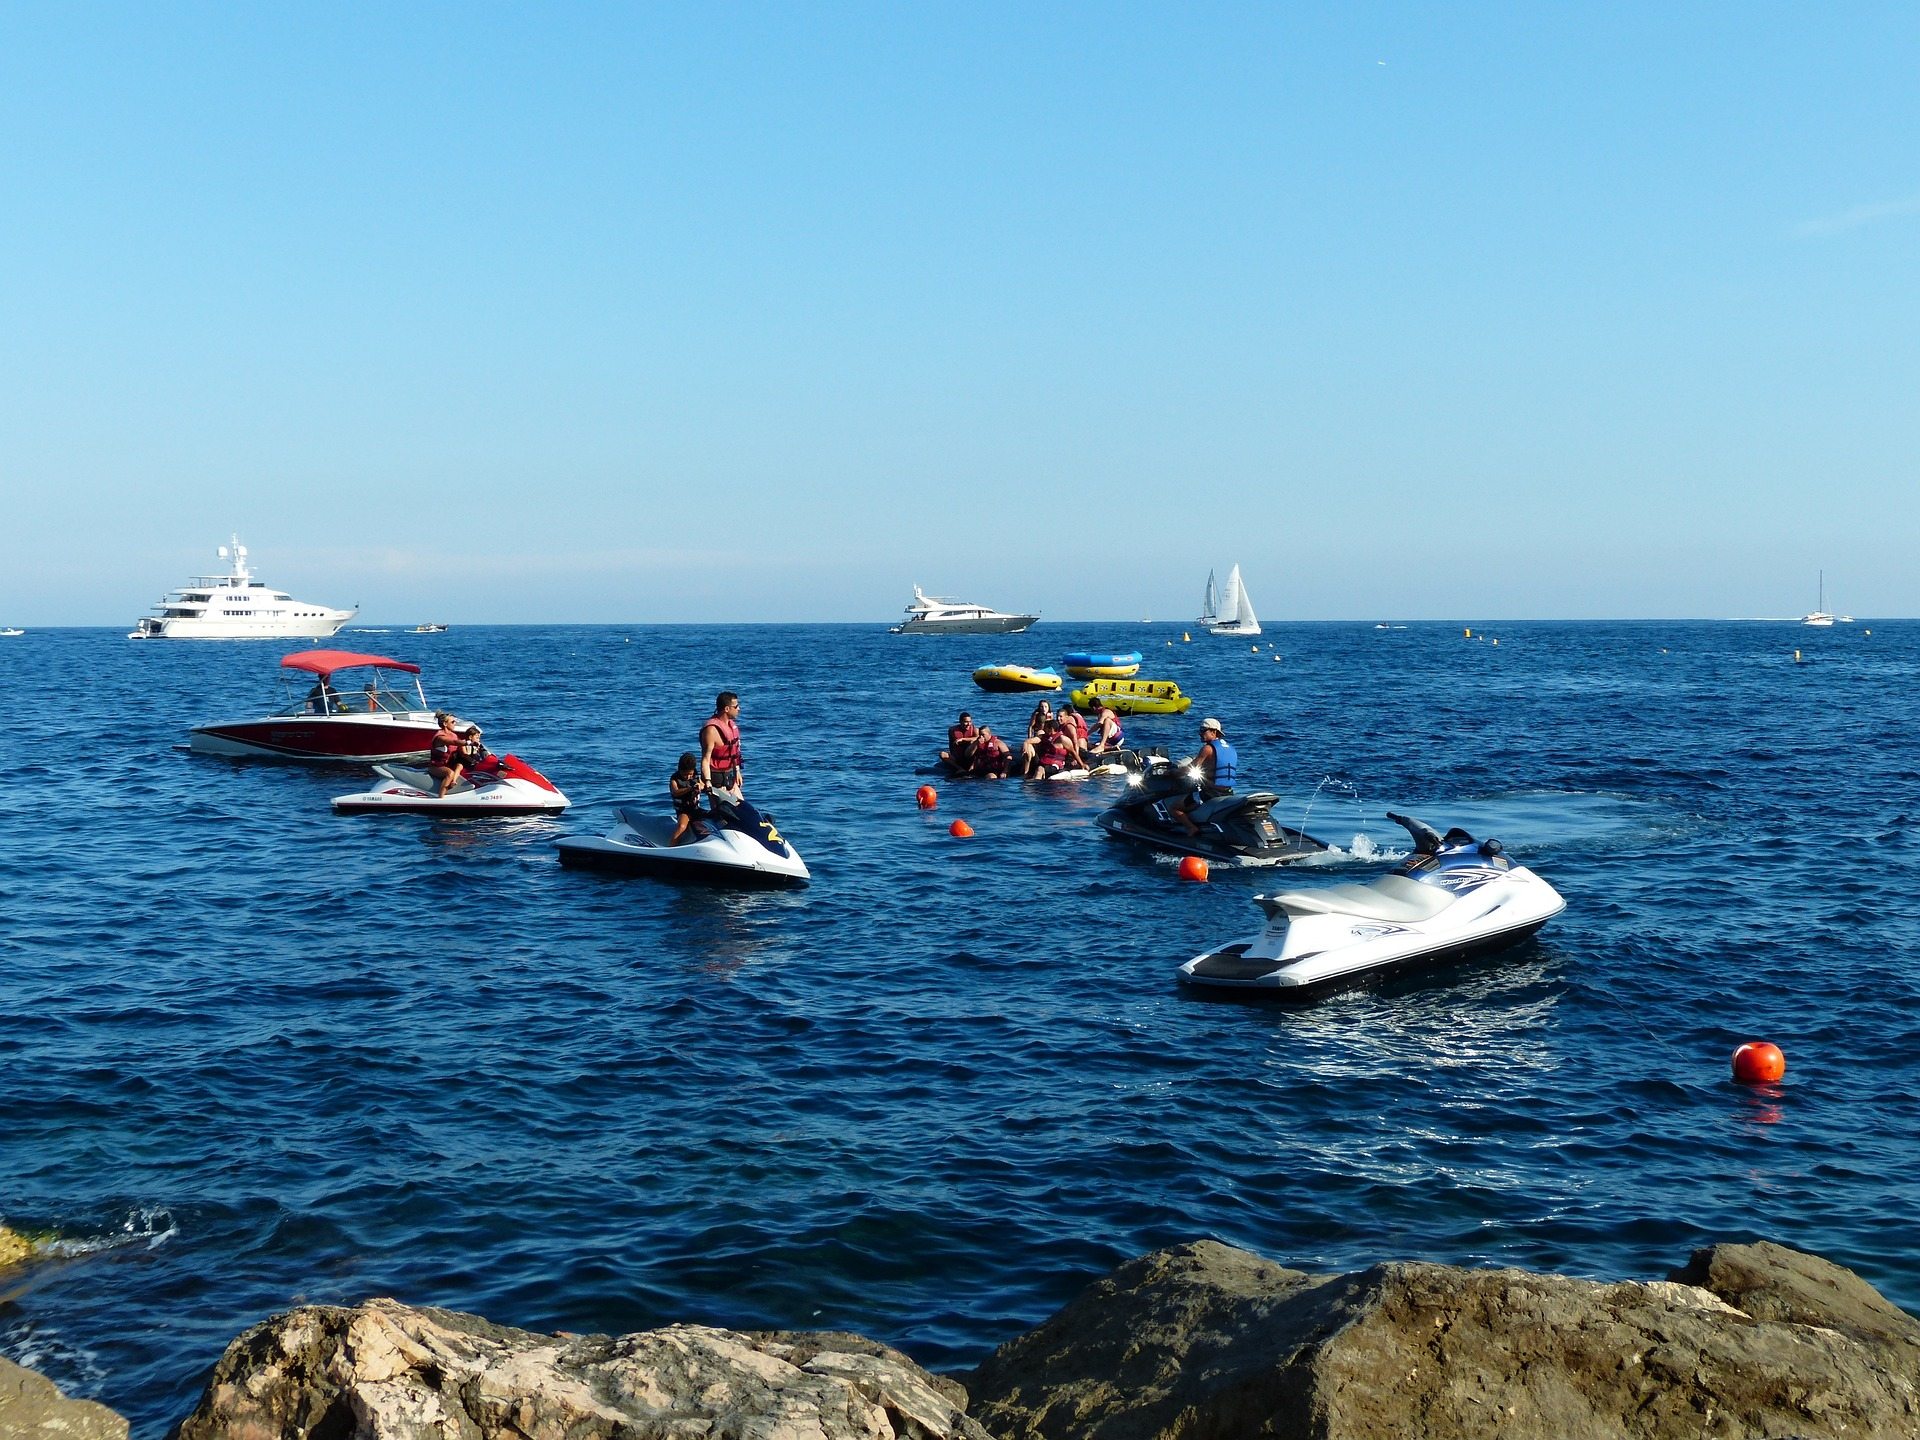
(1219, 766)
(720, 767)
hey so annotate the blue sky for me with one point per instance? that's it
(656, 313)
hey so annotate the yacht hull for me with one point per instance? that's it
(996, 625)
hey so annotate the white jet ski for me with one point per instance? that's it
(742, 847)
(1453, 897)
(507, 786)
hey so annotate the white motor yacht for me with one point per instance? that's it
(929, 615)
(235, 606)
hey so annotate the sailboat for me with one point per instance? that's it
(1231, 612)
(1821, 615)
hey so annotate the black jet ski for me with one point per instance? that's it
(1237, 828)
(741, 846)
(1455, 896)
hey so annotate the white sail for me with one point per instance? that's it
(1210, 609)
(1235, 615)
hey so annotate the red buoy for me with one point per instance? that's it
(960, 829)
(1192, 867)
(927, 796)
(1758, 1063)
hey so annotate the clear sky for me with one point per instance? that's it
(654, 312)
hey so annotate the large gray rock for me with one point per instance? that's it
(1205, 1342)
(385, 1371)
(32, 1408)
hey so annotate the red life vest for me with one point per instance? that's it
(726, 750)
(957, 733)
(444, 748)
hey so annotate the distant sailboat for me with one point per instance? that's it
(1229, 613)
(1821, 615)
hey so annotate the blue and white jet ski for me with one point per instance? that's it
(741, 847)
(1453, 897)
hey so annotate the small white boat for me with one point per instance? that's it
(430, 629)
(508, 786)
(9, 630)
(928, 615)
(742, 848)
(1229, 612)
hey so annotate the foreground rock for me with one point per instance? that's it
(1205, 1342)
(388, 1372)
(31, 1406)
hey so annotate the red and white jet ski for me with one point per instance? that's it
(505, 785)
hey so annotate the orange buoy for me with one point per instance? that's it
(1758, 1063)
(960, 828)
(1192, 867)
(927, 797)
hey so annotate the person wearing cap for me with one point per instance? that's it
(1219, 766)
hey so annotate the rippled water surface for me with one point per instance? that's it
(254, 1054)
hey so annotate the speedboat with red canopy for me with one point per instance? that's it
(383, 719)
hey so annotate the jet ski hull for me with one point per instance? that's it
(402, 790)
(639, 844)
(1442, 905)
(1287, 846)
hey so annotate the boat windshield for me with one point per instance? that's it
(370, 699)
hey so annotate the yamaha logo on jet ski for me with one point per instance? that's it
(1453, 897)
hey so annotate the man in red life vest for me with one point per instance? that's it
(720, 745)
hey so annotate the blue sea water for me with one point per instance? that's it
(253, 1054)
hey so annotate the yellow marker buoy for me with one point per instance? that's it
(1186, 638)
(1469, 632)
(1496, 639)
(1276, 657)
(1796, 657)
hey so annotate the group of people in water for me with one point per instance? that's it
(1067, 740)
(1055, 742)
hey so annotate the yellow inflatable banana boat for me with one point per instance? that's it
(1004, 678)
(1132, 697)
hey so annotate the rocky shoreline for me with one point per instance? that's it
(1198, 1342)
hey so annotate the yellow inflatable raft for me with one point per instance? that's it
(1003, 678)
(1132, 697)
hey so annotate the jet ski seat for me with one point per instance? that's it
(1393, 898)
(1205, 811)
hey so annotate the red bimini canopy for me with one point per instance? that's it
(324, 662)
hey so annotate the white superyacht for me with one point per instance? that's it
(928, 615)
(235, 606)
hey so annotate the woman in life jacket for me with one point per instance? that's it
(1109, 735)
(1219, 766)
(720, 758)
(443, 753)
